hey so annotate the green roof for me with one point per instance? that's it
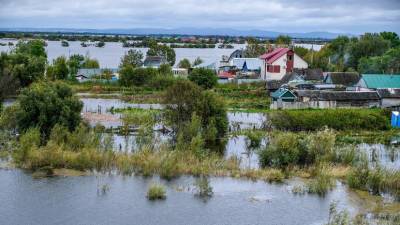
(375, 81)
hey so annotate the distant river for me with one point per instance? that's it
(110, 55)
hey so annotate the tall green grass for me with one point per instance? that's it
(338, 119)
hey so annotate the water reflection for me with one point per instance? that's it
(74, 200)
(387, 156)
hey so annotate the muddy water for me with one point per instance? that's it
(76, 200)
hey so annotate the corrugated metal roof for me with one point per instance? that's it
(251, 63)
(274, 55)
(375, 81)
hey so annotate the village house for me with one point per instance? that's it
(378, 81)
(345, 79)
(279, 62)
(154, 62)
(327, 99)
(297, 78)
(247, 67)
(390, 97)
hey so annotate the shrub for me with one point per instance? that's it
(322, 183)
(205, 78)
(156, 192)
(338, 119)
(282, 151)
(43, 105)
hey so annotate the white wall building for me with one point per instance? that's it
(279, 62)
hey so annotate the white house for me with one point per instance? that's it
(279, 62)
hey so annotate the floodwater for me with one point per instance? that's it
(110, 55)
(386, 156)
(77, 200)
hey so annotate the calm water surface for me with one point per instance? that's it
(75, 200)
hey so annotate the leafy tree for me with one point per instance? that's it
(392, 37)
(301, 51)
(163, 51)
(136, 76)
(165, 69)
(184, 63)
(254, 49)
(388, 63)
(45, 104)
(26, 68)
(368, 45)
(75, 62)
(283, 40)
(185, 99)
(33, 48)
(197, 61)
(59, 70)
(205, 78)
(133, 57)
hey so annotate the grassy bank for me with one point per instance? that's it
(338, 119)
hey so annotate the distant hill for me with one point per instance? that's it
(183, 31)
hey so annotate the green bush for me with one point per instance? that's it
(205, 78)
(338, 119)
(156, 192)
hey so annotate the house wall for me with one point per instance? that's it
(389, 102)
(299, 63)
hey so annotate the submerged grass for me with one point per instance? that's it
(156, 192)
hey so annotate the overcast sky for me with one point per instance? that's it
(344, 16)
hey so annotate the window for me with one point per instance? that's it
(270, 69)
(277, 69)
(290, 57)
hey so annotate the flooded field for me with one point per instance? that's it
(75, 200)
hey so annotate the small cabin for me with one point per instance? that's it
(284, 95)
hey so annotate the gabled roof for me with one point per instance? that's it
(274, 55)
(310, 74)
(283, 93)
(342, 78)
(376, 81)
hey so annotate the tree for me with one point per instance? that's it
(184, 63)
(184, 102)
(133, 57)
(367, 46)
(45, 104)
(26, 68)
(283, 40)
(301, 51)
(33, 48)
(163, 51)
(392, 37)
(254, 49)
(387, 63)
(136, 76)
(75, 62)
(197, 61)
(165, 69)
(205, 78)
(59, 70)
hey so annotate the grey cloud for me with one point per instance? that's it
(355, 16)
